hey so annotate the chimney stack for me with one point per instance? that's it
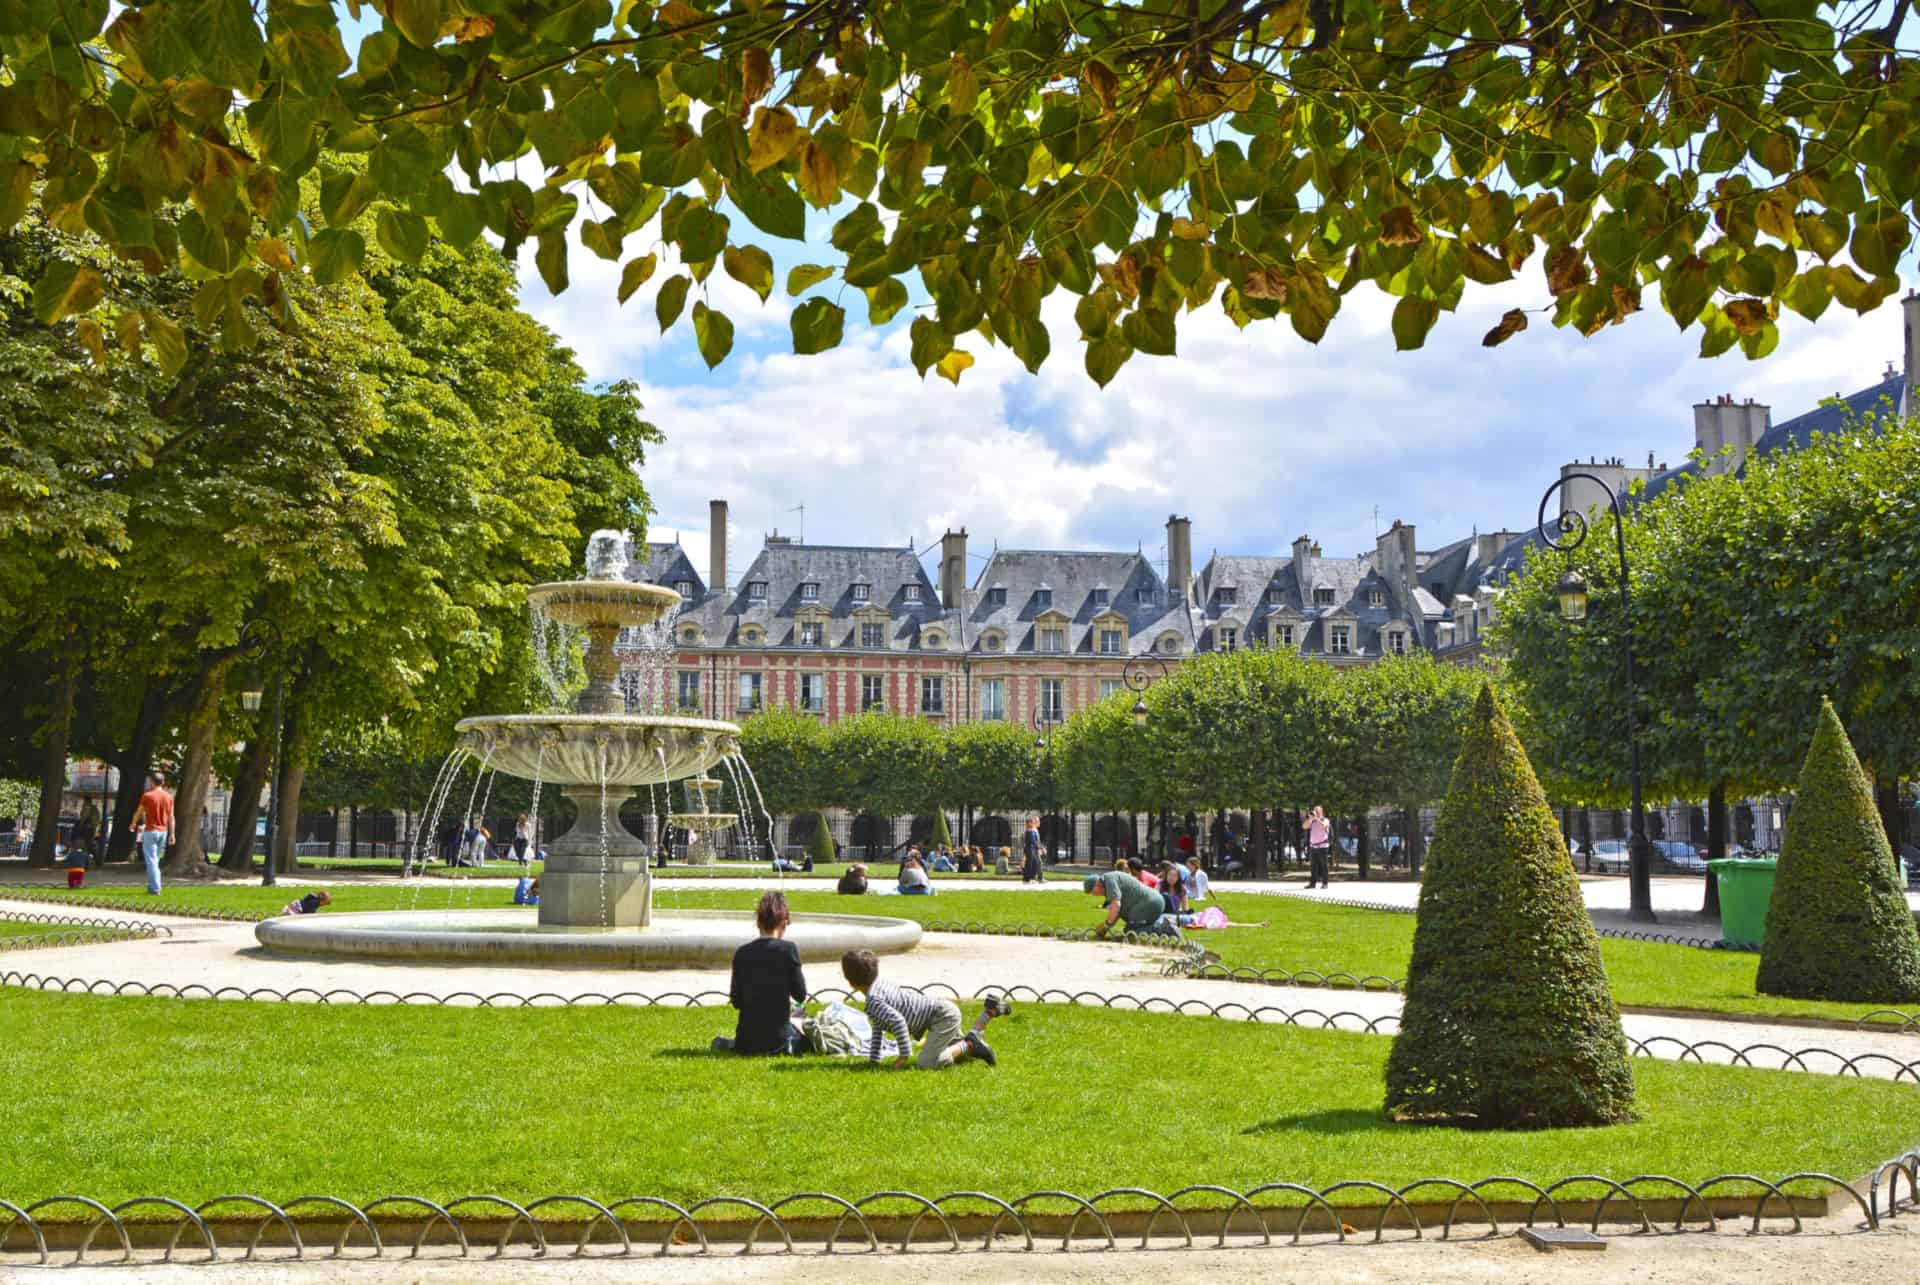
(1179, 557)
(1735, 427)
(717, 545)
(1394, 555)
(1910, 396)
(953, 568)
(1303, 551)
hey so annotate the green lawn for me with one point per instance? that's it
(1299, 935)
(363, 1102)
(22, 928)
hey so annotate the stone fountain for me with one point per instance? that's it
(702, 823)
(596, 895)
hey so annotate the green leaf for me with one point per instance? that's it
(602, 238)
(208, 243)
(336, 254)
(1105, 356)
(1720, 333)
(672, 298)
(344, 196)
(701, 234)
(1685, 289)
(1028, 338)
(1150, 330)
(752, 267)
(550, 256)
(1810, 293)
(460, 219)
(169, 342)
(885, 300)
(803, 277)
(402, 235)
(65, 289)
(1412, 319)
(306, 41)
(817, 326)
(419, 20)
(285, 126)
(227, 44)
(636, 274)
(770, 205)
(713, 332)
(929, 344)
(16, 193)
(1310, 304)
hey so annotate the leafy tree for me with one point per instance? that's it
(1839, 926)
(1509, 1021)
(18, 798)
(1147, 159)
(789, 755)
(880, 763)
(990, 765)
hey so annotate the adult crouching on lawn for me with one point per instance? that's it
(1130, 903)
(767, 983)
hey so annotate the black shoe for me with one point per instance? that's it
(998, 1006)
(722, 1044)
(981, 1049)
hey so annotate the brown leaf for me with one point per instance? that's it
(1626, 302)
(1265, 283)
(1511, 324)
(1566, 270)
(1749, 316)
(1123, 274)
(274, 253)
(1105, 85)
(474, 27)
(676, 14)
(771, 138)
(756, 76)
(127, 330)
(1191, 230)
(1398, 228)
(819, 175)
(94, 339)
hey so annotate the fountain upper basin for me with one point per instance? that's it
(603, 602)
(675, 939)
(598, 749)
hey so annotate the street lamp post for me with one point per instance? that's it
(1572, 594)
(1042, 722)
(1140, 674)
(264, 636)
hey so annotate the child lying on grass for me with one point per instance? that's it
(904, 1014)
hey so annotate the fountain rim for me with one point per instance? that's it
(614, 722)
(611, 588)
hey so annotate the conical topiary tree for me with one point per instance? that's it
(820, 842)
(1838, 926)
(941, 836)
(1508, 1019)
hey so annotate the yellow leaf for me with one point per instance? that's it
(772, 137)
(963, 87)
(1775, 217)
(473, 28)
(819, 176)
(94, 339)
(756, 75)
(127, 330)
(676, 14)
(952, 364)
(1191, 230)
(1398, 228)
(274, 253)
(1105, 85)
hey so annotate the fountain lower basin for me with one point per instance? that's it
(628, 750)
(674, 939)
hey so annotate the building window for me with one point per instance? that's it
(1340, 640)
(749, 693)
(1229, 596)
(810, 592)
(993, 699)
(997, 596)
(1169, 644)
(757, 591)
(1053, 641)
(933, 695)
(992, 642)
(1109, 686)
(1053, 704)
(1099, 598)
(872, 691)
(1110, 642)
(1273, 595)
(1143, 594)
(689, 689)
(813, 693)
(1043, 598)
(630, 689)
(811, 633)
(1284, 633)
(912, 592)
(684, 588)
(860, 592)
(1397, 642)
(690, 636)
(1376, 598)
(1227, 637)
(1322, 596)
(750, 636)
(873, 634)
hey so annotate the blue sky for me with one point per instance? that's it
(1256, 435)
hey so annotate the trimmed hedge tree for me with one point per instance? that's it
(1509, 1021)
(1838, 927)
(820, 842)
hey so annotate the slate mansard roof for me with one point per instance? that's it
(899, 596)
(1017, 586)
(1267, 593)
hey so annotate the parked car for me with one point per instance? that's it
(1612, 856)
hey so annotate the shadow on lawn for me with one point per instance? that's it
(1326, 1122)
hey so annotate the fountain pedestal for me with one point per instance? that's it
(590, 884)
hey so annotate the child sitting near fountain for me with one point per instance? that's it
(900, 1014)
(767, 983)
(309, 904)
(527, 891)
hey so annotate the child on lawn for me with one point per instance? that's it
(903, 1014)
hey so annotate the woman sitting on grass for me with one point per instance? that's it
(853, 883)
(767, 983)
(913, 879)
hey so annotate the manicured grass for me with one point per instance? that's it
(22, 928)
(1298, 935)
(363, 1102)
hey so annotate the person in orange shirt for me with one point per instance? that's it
(153, 822)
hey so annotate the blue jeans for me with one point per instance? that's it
(153, 846)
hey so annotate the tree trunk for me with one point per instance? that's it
(353, 829)
(1257, 842)
(1415, 841)
(53, 763)
(1360, 849)
(1886, 798)
(1716, 847)
(189, 859)
(243, 807)
(286, 799)
(133, 764)
(1586, 838)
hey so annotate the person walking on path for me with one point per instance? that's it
(522, 839)
(153, 822)
(1319, 838)
(1031, 852)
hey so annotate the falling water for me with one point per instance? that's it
(453, 885)
(430, 814)
(606, 842)
(437, 803)
(765, 815)
(533, 817)
(740, 793)
(556, 653)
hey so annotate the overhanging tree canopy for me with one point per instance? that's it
(1738, 156)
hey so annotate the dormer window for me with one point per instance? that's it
(1340, 640)
(1397, 642)
(992, 642)
(873, 634)
(1098, 598)
(1273, 595)
(911, 593)
(1323, 595)
(933, 639)
(756, 591)
(1169, 644)
(1227, 637)
(1112, 642)
(1053, 640)
(1228, 595)
(812, 633)
(997, 596)
(810, 591)
(1282, 635)
(1376, 598)
(1143, 594)
(684, 588)
(750, 635)
(861, 592)
(1043, 598)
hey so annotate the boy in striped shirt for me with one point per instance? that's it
(899, 1014)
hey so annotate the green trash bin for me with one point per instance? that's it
(1746, 889)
